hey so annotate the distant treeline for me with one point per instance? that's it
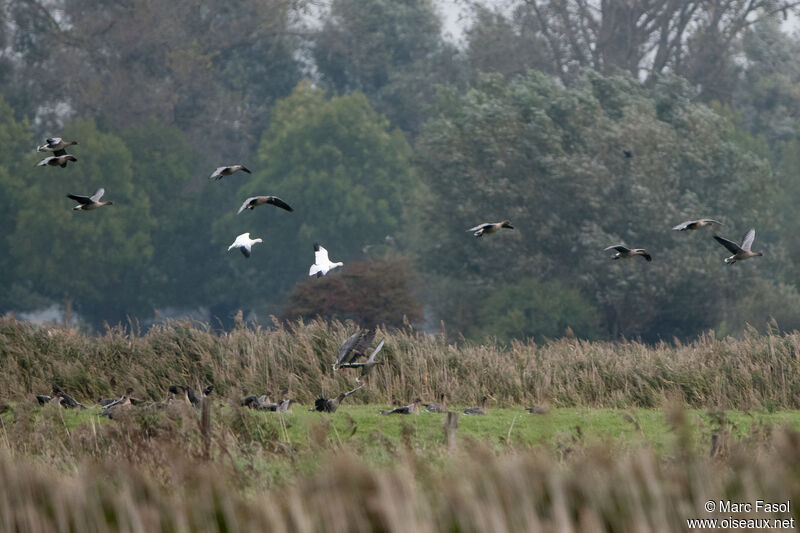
(584, 127)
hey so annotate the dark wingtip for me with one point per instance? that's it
(245, 169)
(316, 247)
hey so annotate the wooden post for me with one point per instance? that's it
(205, 427)
(450, 428)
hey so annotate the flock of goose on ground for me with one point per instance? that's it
(357, 344)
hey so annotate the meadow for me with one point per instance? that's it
(637, 437)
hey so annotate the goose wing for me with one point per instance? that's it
(618, 247)
(730, 245)
(97, 195)
(378, 349)
(44, 161)
(247, 203)
(217, 174)
(683, 225)
(245, 250)
(347, 347)
(277, 202)
(711, 220)
(320, 255)
(52, 141)
(747, 240)
(480, 226)
(84, 200)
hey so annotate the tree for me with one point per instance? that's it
(391, 51)
(345, 173)
(692, 38)
(97, 259)
(552, 160)
(538, 309)
(371, 293)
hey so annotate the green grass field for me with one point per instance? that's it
(636, 439)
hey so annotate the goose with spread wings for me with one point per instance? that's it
(740, 252)
(244, 243)
(57, 145)
(88, 203)
(254, 201)
(696, 224)
(219, 172)
(623, 252)
(490, 227)
(57, 160)
(322, 264)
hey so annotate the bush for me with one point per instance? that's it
(370, 293)
(535, 308)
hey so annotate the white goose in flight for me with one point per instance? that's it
(244, 243)
(322, 264)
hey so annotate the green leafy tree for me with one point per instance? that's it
(391, 51)
(96, 259)
(16, 162)
(552, 160)
(345, 173)
(535, 308)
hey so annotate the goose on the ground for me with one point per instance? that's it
(66, 399)
(410, 409)
(480, 410)
(322, 264)
(624, 252)
(740, 252)
(244, 243)
(255, 201)
(55, 144)
(88, 203)
(219, 172)
(696, 224)
(490, 227)
(57, 161)
(330, 405)
(440, 407)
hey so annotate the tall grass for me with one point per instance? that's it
(754, 372)
(593, 490)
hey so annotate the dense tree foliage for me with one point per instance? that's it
(371, 293)
(585, 123)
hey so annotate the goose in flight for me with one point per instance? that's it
(57, 160)
(322, 264)
(740, 253)
(366, 367)
(244, 243)
(490, 227)
(254, 201)
(626, 253)
(56, 145)
(354, 347)
(227, 171)
(88, 203)
(696, 224)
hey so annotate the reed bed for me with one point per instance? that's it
(594, 489)
(755, 372)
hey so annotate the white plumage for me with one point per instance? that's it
(322, 264)
(244, 243)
